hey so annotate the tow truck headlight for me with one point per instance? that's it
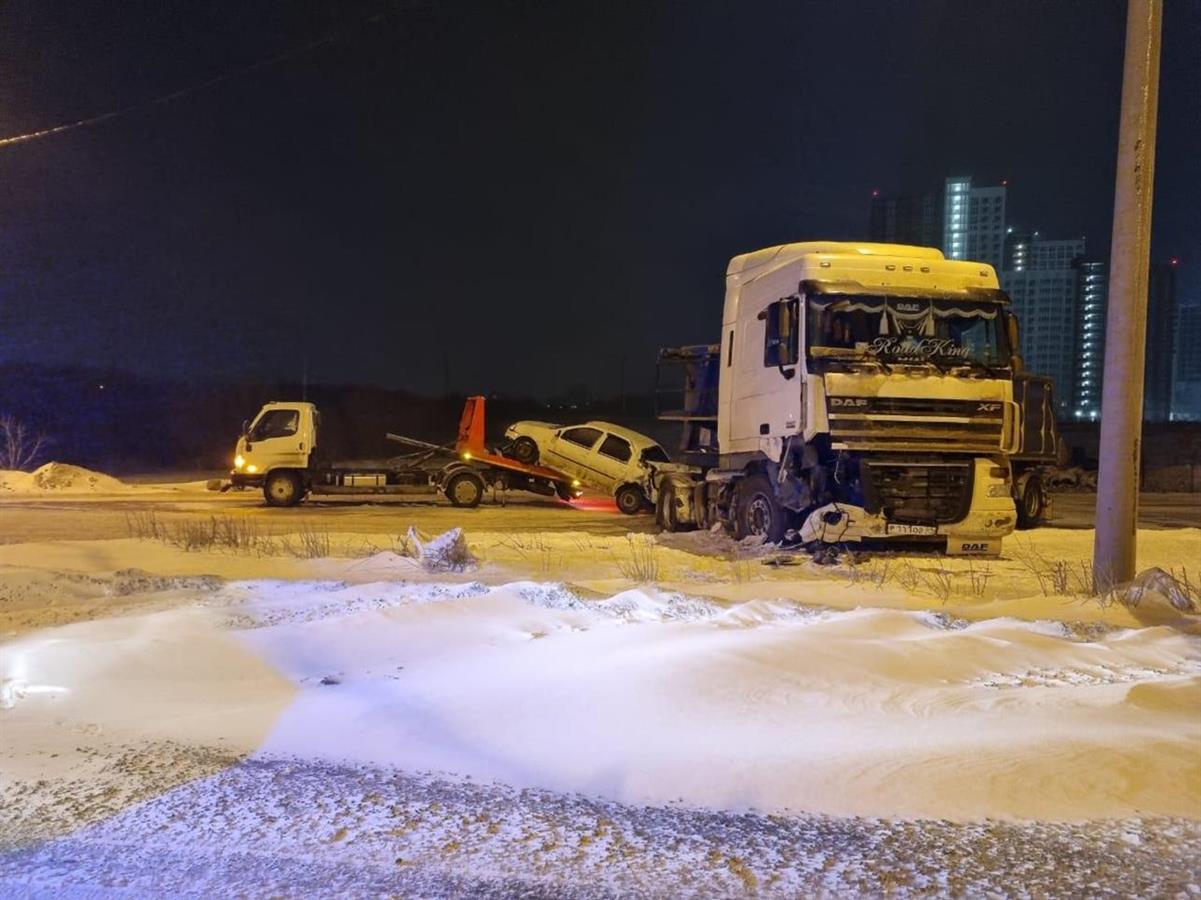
(239, 461)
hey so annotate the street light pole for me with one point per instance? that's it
(1115, 547)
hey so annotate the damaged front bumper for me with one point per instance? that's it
(991, 516)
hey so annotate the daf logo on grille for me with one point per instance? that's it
(848, 401)
(987, 407)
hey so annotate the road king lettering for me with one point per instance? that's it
(911, 346)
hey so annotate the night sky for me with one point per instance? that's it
(518, 196)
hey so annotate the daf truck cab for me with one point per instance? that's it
(863, 392)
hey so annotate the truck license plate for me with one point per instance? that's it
(904, 528)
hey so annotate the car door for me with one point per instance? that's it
(571, 451)
(612, 458)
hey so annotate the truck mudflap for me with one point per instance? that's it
(841, 523)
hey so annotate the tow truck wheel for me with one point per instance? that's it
(524, 450)
(756, 511)
(465, 489)
(282, 489)
(630, 499)
(1031, 504)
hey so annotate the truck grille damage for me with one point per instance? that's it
(860, 423)
(920, 492)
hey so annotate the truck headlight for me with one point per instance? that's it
(252, 468)
(239, 461)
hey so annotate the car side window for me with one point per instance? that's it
(276, 423)
(616, 448)
(583, 436)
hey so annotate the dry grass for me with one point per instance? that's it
(229, 533)
(534, 548)
(641, 560)
(310, 542)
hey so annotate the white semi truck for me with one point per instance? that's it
(859, 392)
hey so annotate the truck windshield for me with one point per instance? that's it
(945, 333)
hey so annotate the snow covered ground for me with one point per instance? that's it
(589, 715)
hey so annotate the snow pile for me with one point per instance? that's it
(60, 478)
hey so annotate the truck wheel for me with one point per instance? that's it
(465, 489)
(756, 511)
(1031, 504)
(667, 515)
(282, 489)
(524, 450)
(630, 499)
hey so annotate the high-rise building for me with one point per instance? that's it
(907, 220)
(1160, 369)
(1042, 286)
(1186, 390)
(1092, 287)
(965, 222)
(974, 221)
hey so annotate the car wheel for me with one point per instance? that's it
(756, 512)
(524, 450)
(282, 489)
(1031, 504)
(630, 499)
(465, 490)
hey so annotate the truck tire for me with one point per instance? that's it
(1031, 504)
(667, 515)
(756, 511)
(630, 499)
(524, 450)
(465, 489)
(282, 488)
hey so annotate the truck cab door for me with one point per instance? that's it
(280, 438)
(768, 376)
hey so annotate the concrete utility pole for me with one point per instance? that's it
(1115, 548)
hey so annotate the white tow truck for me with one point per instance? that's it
(860, 392)
(281, 452)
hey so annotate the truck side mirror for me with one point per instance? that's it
(1014, 335)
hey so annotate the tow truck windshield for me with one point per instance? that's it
(946, 334)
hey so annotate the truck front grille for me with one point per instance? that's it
(919, 492)
(915, 422)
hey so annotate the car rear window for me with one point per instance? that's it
(655, 453)
(584, 437)
(617, 448)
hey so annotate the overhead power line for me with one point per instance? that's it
(228, 75)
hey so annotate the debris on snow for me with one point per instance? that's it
(1155, 581)
(448, 552)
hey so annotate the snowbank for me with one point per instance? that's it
(59, 478)
(645, 696)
